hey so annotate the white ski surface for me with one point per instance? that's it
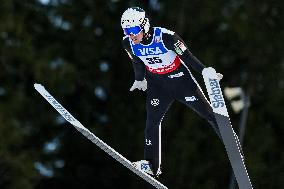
(229, 137)
(110, 151)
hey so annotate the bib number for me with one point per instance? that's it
(154, 60)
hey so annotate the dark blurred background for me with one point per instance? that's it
(74, 49)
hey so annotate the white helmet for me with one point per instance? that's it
(135, 16)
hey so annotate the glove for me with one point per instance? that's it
(140, 85)
(220, 76)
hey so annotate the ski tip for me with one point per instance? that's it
(38, 86)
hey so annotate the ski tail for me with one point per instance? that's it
(92, 137)
(228, 135)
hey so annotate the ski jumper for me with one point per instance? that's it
(165, 61)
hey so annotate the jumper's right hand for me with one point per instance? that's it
(140, 85)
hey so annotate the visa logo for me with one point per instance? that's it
(150, 51)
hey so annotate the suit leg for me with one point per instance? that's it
(197, 101)
(158, 103)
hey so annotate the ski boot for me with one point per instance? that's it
(146, 167)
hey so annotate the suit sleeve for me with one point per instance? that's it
(175, 43)
(137, 63)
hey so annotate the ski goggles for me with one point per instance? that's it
(132, 30)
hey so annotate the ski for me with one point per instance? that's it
(229, 137)
(88, 134)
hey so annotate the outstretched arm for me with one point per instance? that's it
(174, 42)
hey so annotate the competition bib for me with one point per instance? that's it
(157, 58)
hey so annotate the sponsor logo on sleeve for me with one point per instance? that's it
(180, 47)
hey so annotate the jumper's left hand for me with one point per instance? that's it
(140, 85)
(220, 76)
